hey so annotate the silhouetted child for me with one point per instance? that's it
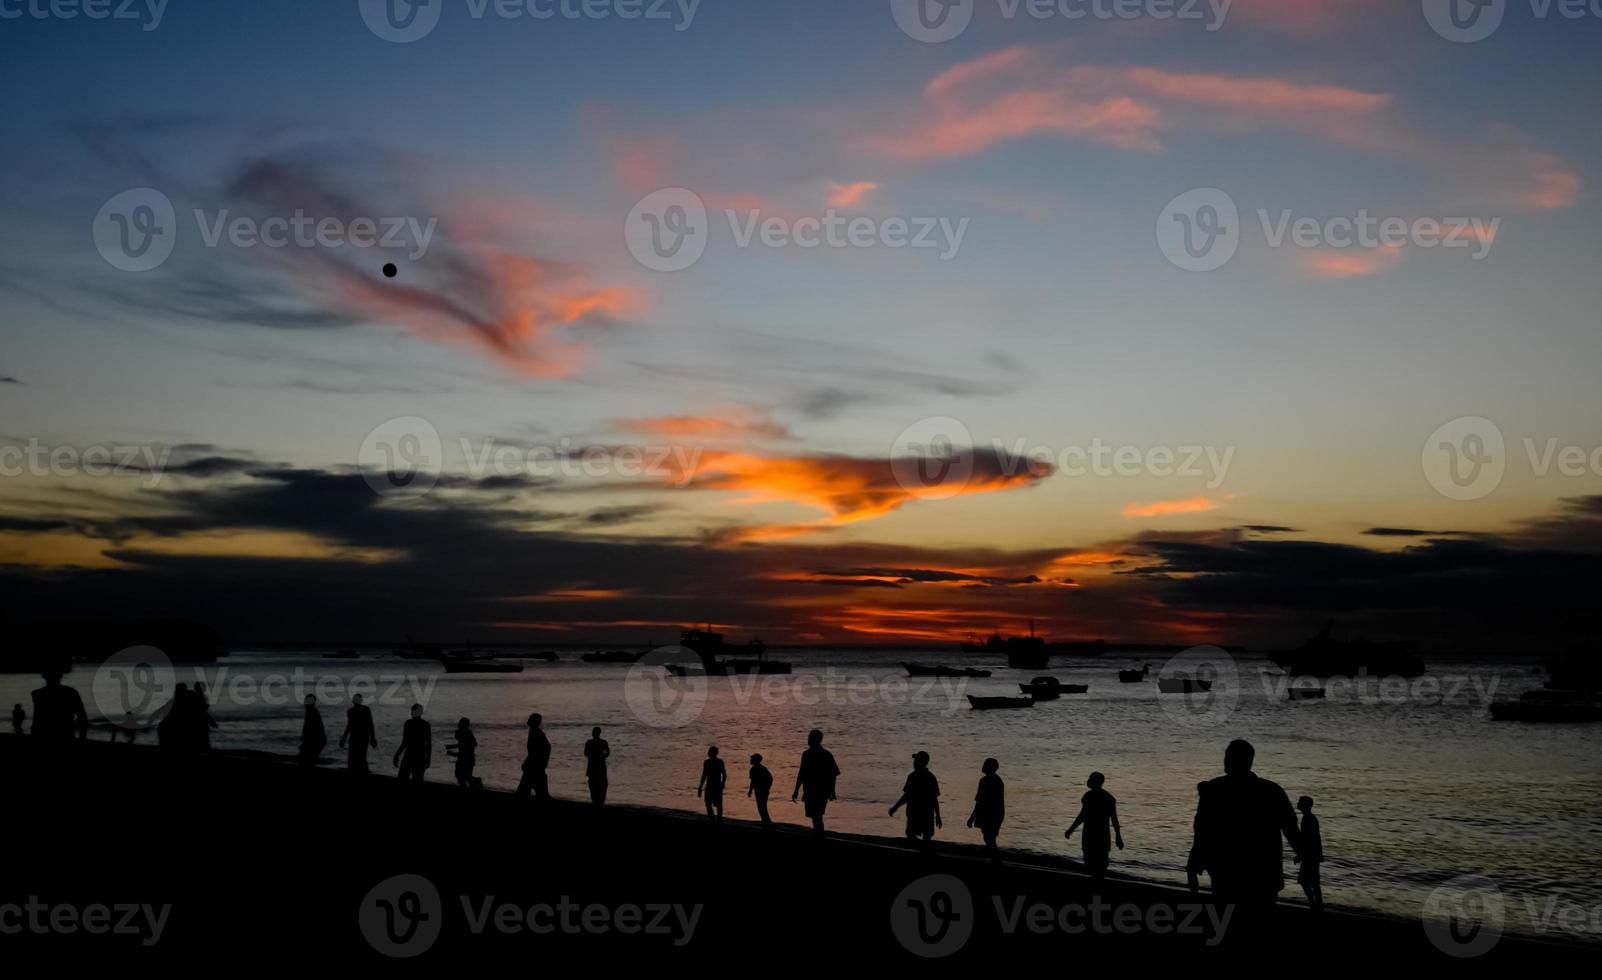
(1098, 812)
(713, 775)
(416, 752)
(312, 735)
(990, 807)
(596, 752)
(466, 755)
(921, 797)
(1193, 864)
(1312, 855)
(761, 783)
(18, 716)
(359, 734)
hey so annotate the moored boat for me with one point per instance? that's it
(470, 666)
(940, 670)
(1049, 688)
(1134, 676)
(1324, 655)
(710, 647)
(994, 703)
(612, 657)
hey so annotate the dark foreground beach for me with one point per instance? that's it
(123, 853)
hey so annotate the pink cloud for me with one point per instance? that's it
(1347, 263)
(850, 195)
(1163, 508)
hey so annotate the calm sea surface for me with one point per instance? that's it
(1414, 783)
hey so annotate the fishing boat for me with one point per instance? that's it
(710, 647)
(1180, 684)
(1134, 676)
(1049, 688)
(1566, 706)
(995, 703)
(1324, 655)
(1022, 652)
(612, 657)
(940, 670)
(471, 666)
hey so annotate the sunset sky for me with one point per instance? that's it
(779, 388)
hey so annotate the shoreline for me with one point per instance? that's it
(303, 848)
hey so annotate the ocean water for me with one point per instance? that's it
(1415, 784)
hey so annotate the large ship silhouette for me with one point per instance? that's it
(1324, 655)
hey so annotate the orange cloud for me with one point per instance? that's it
(1347, 263)
(850, 195)
(706, 427)
(1163, 508)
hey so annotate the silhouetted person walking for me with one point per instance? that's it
(921, 796)
(990, 807)
(816, 775)
(466, 754)
(534, 764)
(1098, 813)
(58, 715)
(761, 784)
(313, 738)
(173, 729)
(1193, 864)
(596, 752)
(713, 775)
(359, 734)
(1240, 818)
(416, 752)
(1311, 856)
(18, 716)
(202, 724)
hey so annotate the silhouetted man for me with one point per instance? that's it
(1098, 813)
(359, 734)
(596, 752)
(816, 775)
(534, 764)
(18, 716)
(203, 724)
(921, 796)
(990, 807)
(1240, 818)
(312, 735)
(416, 750)
(466, 754)
(58, 715)
(761, 784)
(713, 775)
(1311, 856)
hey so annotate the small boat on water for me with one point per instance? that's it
(990, 704)
(710, 646)
(471, 666)
(612, 657)
(940, 670)
(1550, 706)
(1326, 655)
(1049, 689)
(1180, 684)
(1303, 693)
(1134, 676)
(1022, 652)
(340, 655)
(549, 656)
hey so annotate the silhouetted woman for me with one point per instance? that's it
(539, 756)
(312, 736)
(596, 752)
(359, 734)
(990, 807)
(466, 753)
(18, 716)
(1098, 812)
(713, 775)
(816, 775)
(761, 785)
(921, 797)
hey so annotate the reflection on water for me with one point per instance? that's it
(1414, 784)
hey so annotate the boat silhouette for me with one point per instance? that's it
(1049, 688)
(940, 670)
(1022, 652)
(455, 665)
(612, 657)
(1134, 676)
(710, 647)
(994, 703)
(1323, 655)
